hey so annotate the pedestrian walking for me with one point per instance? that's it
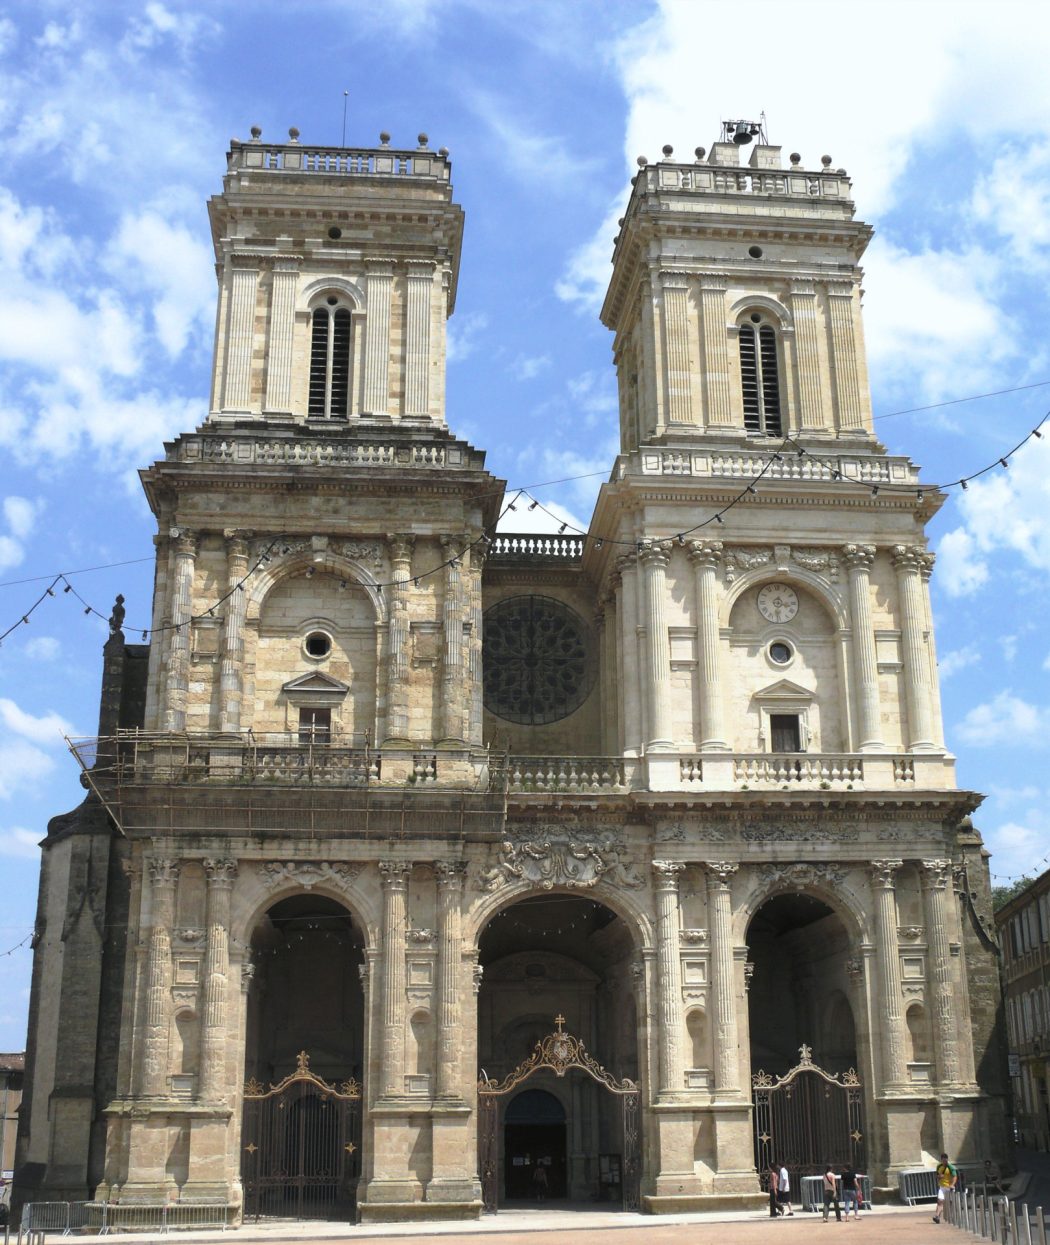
(851, 1192)
(773, 1182)
(784, 1191)
(831, 1193)
(947, 1179)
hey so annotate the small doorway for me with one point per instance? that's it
(534, 1152)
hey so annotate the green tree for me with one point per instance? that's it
(1001, 895)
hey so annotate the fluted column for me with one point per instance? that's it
(654, 559)
(910, 562)
(450, 874)
(807, 355)
(844, 357)
(859, 559)
(376, 399)
(282, 332)
(723, 981)
(420, 284)
(394, 874)
(475, 674)
(240, 334)
(706, 556)
(398, 656)
(231, 663)
(654, 415)
(221, 875)
(677, 367)
(177, 684)
(714, 351)
(164, 875)
(669, 975)
(632, 720)
(936, 878)
(452, 660)
(883, 874)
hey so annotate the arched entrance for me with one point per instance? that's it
(807, 1094)
(301, 1143)
(568, 956)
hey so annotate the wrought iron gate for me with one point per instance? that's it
(558, 1052)
(807, 1118)
(300, 1146)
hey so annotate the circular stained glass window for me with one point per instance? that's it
(536, 660)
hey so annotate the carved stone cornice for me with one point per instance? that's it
(883, 872)
(859, 557)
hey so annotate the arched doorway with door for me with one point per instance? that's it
(557, 982)
(304, 1055)
(806, 1046)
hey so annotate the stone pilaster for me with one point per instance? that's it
(282, 332)
(240, 334)
(677, 367)
(811, 414)
(936, 877)
(653, 417)
(450, 875)
(231, 663)
(859, 559)
(376, 399)
(397, 652)
(910, 563)
(723, 980)
(706, 556)
(420, 284)
(844, 369)
(177, 684)
(654, 560)
(632, 717)
(452, 659)
(164, 876)
(395, 875)
(883, 874)
(475, 679)
(221, 875)
(715, 351)
(669, 975)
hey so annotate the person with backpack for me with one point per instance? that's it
(947, 1179)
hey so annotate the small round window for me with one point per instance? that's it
(318, 645)
(780, 652)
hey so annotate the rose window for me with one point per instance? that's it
(535, 659)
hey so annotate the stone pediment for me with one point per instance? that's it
(314, 683)
(784, 689)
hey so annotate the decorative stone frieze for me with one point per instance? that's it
(561, 857)
(309, 873)
(802, 874)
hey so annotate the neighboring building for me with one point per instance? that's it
(1024, 936)
(391, 802)
(12, 1070)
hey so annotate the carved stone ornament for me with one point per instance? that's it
(821, 561)
(163, 872)
(739, 560)
(811, 833)
(855, 969)
(308, 873)
(884, 872)
(561, 856)
(692, 937)
(910, 933)
(189, 937)
(184, 996)
(801, 874)
(220, 872)
(721, 871)
(749, 972)
(422, 937)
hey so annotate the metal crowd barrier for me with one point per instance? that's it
(64, 1218)
(812, 1191)
(996, 1218)
(917, 1184)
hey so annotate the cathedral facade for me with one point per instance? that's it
(423, 864)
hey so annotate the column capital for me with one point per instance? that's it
(883, 872)
(654, 553)
(395, 873)
(420, 269)
(401, 546)
(706, 553)
(803, 287)
(912, 558)
(936, 874)
(666, 873)
(717, 281)
(840, 289)
(185, 542)
(859, 557)
(287, 263)
(220, 872)
(380, 267)
(163, 872)
(674, 278)
(450, 874)
(720, 872)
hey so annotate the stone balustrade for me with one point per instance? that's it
(721, 180)
(749, 465)
(524, 547)
(327, 451)
(804, 769)
(571, 773)
(339, 161)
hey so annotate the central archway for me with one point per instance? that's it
(565, 956)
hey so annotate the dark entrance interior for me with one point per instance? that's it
(534, 1139)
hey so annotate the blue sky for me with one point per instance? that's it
(114, 122)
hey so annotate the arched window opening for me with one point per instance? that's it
(330, 363)
(760, 378)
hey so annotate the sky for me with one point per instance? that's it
(114, 124)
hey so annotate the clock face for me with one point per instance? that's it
(777, 603)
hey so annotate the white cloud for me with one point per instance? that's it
(1013, 198)
(1004, 720)
(951, 663)
(525, 152)
(43, 648)
(463, 335)
(546, 517)
(17, 841)
(8, 35)
(22, 766)
(20, 514)
(46, 729)
(960, 568)
(527, 367)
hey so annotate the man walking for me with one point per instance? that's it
(784, 1190)
(947, 1178)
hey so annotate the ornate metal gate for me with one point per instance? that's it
(807, 1118)
(300, 1146)
(558, 1052)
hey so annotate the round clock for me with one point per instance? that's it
(777, 603)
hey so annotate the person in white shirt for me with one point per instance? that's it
(784, 1191)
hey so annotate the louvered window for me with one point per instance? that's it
(760, 378)
(330, 363)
